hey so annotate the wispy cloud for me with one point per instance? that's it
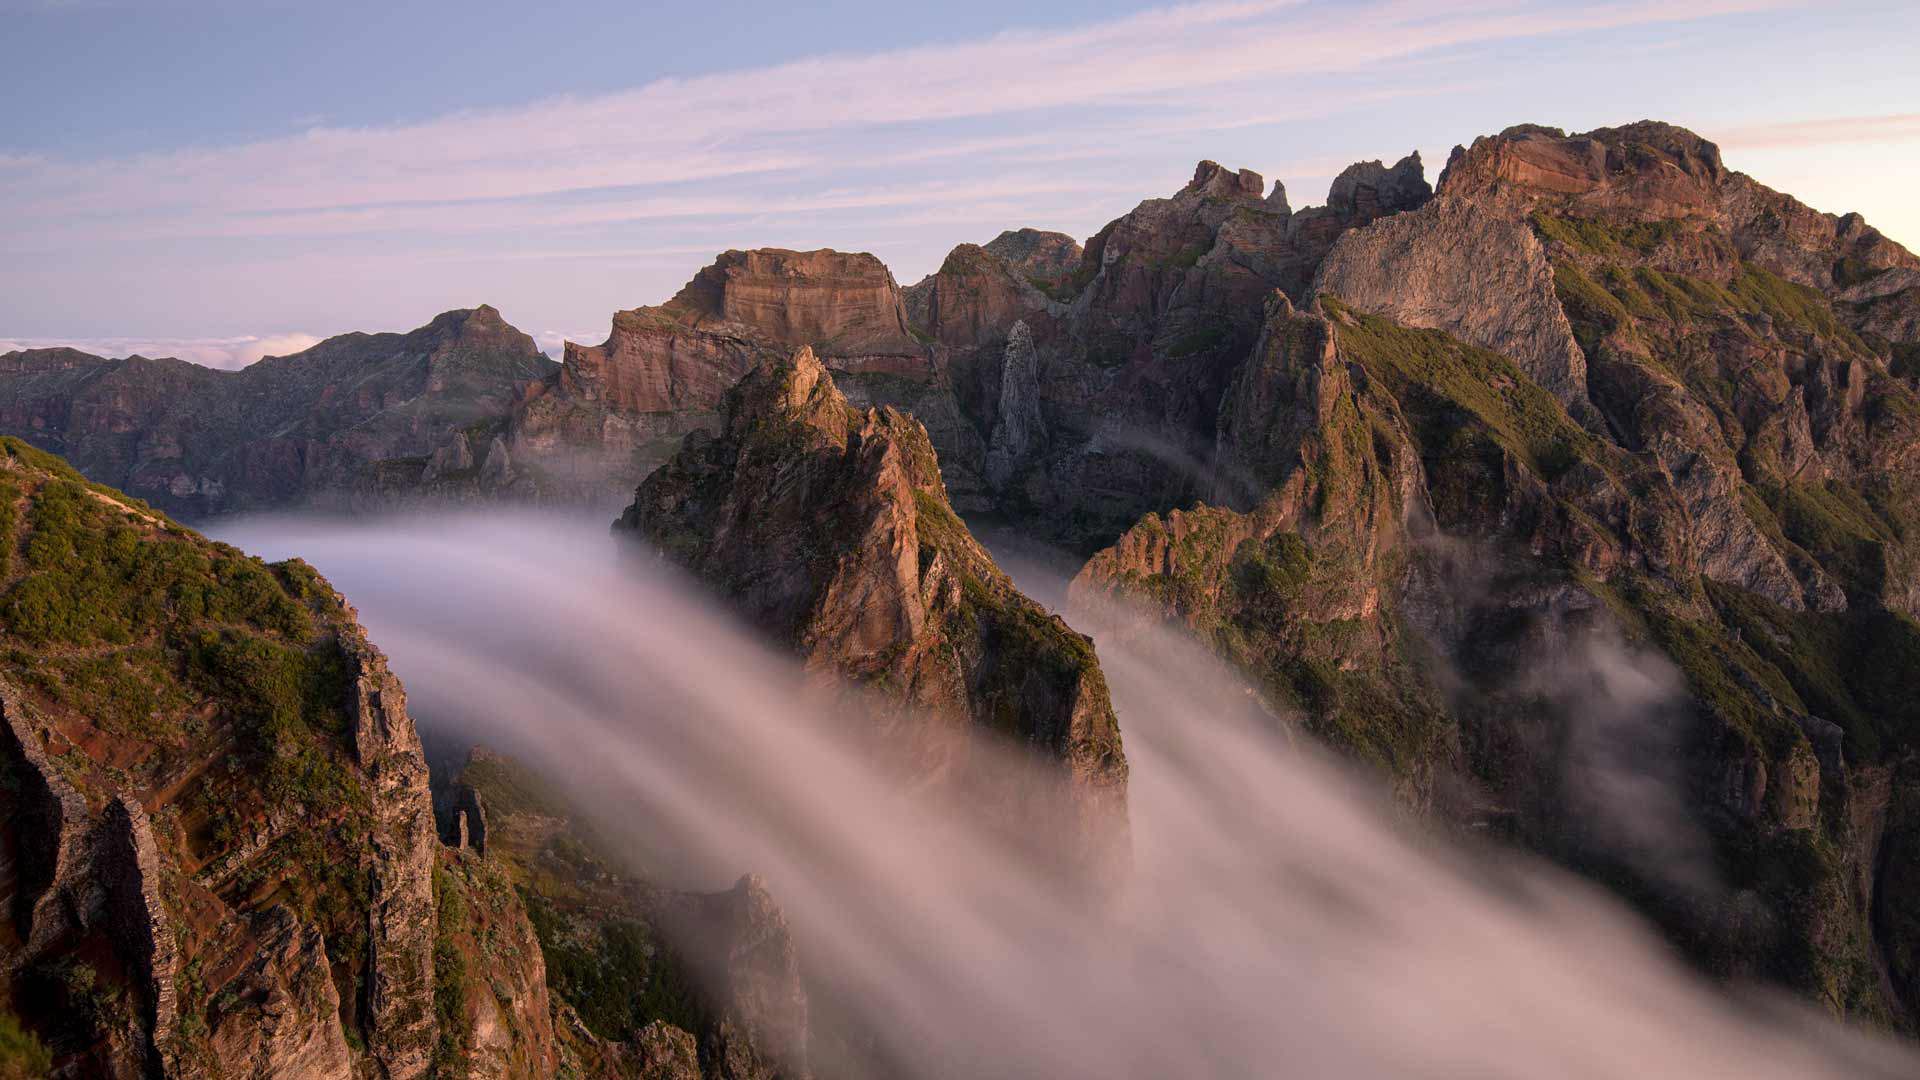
(788, 118)
(1898, 127)
(909, 145)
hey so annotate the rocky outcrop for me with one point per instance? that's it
(490, 977)
(400, 916)
(1675, 304)
(131, 868)
(1474, 272)
(1656, 174)
(1043, 257)
(844, 306)
(296, 1031)
(614, 411)
(214, 854)
(976, 296)
(667, 1053)
(324, 425)
(829, 528)
(1019, 431)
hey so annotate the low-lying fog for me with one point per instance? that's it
(1278, 920)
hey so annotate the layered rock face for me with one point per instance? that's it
(614, 412)
(844, 306)
(829, 527)
(1601, 415)
(354, 414)
(220, 846)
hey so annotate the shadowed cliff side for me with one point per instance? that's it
(1094, 381)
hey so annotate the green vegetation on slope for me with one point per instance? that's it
(1441, 381)
(200, 668)
(22, 1056)
(590, 915)
(451, 1053)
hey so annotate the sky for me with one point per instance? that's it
(222, 179)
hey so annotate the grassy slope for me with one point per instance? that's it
(209, 683)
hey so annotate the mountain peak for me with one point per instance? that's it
(1037, 252)
(830, 528)
(1210, 178)
(1662, 166)
(1368, 189)
(840, 303)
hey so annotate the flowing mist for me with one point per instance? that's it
(1278, 920)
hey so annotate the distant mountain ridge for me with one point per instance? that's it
(315, 426)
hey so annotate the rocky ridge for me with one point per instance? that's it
(224, 859)
(1599, 398)
(829, 527)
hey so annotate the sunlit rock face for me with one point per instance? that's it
(223, 849)
(830, 529)
(845, 306)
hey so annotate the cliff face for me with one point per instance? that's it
(1600, 407)
(1680, 308)
(845, 306)
(221, 848)
(220, 844)
(344, 417)
(829, 527)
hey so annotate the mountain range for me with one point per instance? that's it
(1593, 462)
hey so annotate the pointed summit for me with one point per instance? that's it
(830, 528)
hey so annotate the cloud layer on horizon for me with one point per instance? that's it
(230, 354)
